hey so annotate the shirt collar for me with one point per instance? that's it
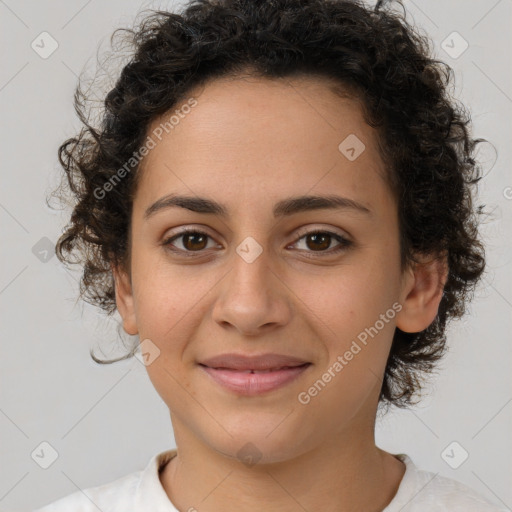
(408, 484)
(150, 494)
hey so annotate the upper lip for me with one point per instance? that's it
(246, 362)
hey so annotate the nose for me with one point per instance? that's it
(252, 297)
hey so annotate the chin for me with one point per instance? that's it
(263, 442)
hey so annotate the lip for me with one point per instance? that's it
(271, 371)
(244, 362)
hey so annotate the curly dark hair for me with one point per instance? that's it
(375, 54)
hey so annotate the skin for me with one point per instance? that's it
(247, 144)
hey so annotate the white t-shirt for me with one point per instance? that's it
(142, 491)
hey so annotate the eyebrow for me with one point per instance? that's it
(283, 208)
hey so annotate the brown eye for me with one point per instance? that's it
(192, 240)
(195, 241)
(320, 242)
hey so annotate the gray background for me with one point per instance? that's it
(107, 421)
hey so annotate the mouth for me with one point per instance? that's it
(253, 381)
(252, 370)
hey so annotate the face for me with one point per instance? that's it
(302, 281)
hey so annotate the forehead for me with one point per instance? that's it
(248, 139)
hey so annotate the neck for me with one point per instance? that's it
(343, 474)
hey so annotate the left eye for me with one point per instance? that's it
(319, 240)
(194, 241)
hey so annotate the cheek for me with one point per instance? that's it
(355, 322)
(164, 294)
(353, 314)
(348, 298)
(169, 305)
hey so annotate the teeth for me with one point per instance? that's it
(260, 371)
(266, 371)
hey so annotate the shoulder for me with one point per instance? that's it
(113, 497)
(424, 490)
(139, 491)
(454, 496)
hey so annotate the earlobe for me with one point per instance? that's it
(124, 300)
(422, 293)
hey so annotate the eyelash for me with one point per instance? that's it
(344, 243)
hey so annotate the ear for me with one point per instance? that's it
(124, 300)
(422, 290)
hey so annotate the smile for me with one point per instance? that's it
(254, 382)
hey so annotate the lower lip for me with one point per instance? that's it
(254, 383)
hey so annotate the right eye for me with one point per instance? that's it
(193, 241)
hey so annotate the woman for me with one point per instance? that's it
(278, 205)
